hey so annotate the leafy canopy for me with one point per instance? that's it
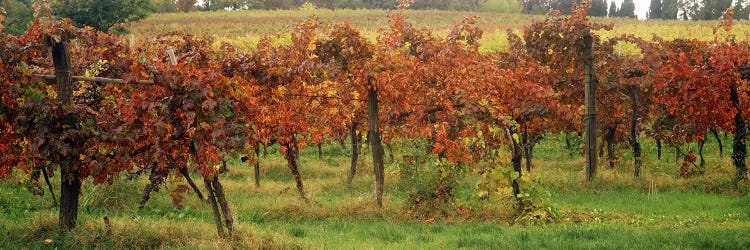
(102, 15)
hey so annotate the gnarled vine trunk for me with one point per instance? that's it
(222, 200)
(216, 199)
(49, 185)
(529, 141)
(701, 143)
(634, 133)
(355, 153)
(390, 152)
(516, 157)
(610, 138)
(291, 158)
(739, 151)
(256, 167)
(718, 140)
(658, 148)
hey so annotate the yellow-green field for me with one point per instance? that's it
(243, 27)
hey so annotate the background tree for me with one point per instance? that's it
(563, 5)
(328, 4)
(185, 5)
(713, 9)
(689, 9)
(163, 6)
(385, 4)
(669, 9)
(741, 10)
(19, 16)
(655, 10)
(278, 4)
(612, 9)
(534, 6)
(102, 15)
(598, 8)
(627, 9)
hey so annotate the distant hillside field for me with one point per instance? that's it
(242, 27)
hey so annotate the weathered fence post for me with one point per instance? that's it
(377, 146)
(590, 92)
(70, 182)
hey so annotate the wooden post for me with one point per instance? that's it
(376, 145)
(70, 182)
(590, 92)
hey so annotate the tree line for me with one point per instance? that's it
(697, 9)
(104, 15)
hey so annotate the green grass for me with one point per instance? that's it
(616, 211)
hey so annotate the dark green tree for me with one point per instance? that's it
(18, 17)
(164, 6)
(612, 9)
(713, 9)
(598, 8)
(741, 10)
(655, 9)
(535, 6)
(627, 9)
(102, 15)
(563, 5)
(669, 9)
(690, 9)
(382, 4)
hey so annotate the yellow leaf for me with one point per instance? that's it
(505, 191)
(483, 102)
(333, 111)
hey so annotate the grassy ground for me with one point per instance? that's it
(242, 28)
(616, 211)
